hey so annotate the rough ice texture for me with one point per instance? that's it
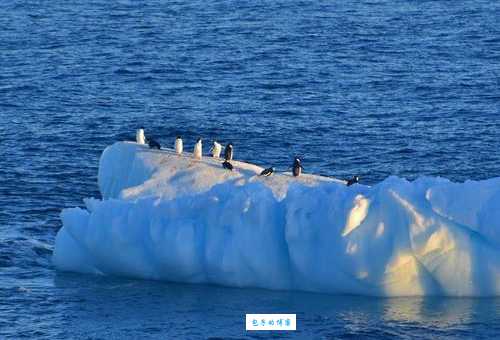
(170, 217)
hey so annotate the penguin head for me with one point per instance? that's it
(178, 137)
(199, 140)
(230, 145)
(296, 160)
(272, 169)
(356, 179)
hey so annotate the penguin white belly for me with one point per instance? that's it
(139, 137)
(216, 150)
(178, 146)
(197, 151)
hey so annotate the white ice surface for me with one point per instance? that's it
(170, 217)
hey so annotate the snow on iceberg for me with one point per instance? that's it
(170, 217)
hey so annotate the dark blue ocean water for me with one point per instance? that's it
(374, 88)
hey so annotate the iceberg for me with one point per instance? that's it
(168, 217)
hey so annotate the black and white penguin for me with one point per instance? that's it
(297, 167)
(228, 152)
(216, 149)
(198, 152)
(153, 144)
(139, 136)
(227, 165)
(178, 145)
(352, 181)
(267, 172)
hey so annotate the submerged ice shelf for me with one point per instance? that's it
(169, 217)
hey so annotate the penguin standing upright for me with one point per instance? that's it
(197, 152)
(139, 136)
(297, 167)
(216, 149)
(178, 145)
(228, 152)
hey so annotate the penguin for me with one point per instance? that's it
(178, 145)
(153, 144)
(198, 151)
(227, 165)
(352, 181)
(216, 150)
(228, 152)
(297, 167)
(139, 136)
(267, 172)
